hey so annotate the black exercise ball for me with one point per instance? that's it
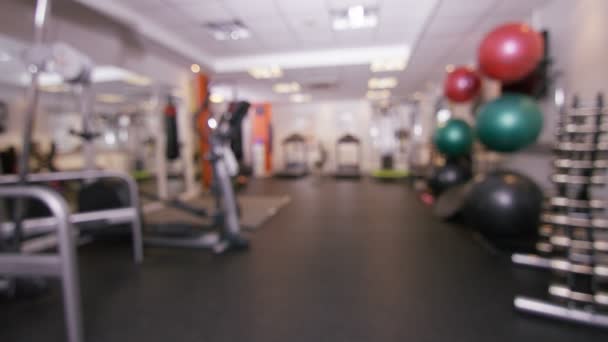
(504, 203)
(449, 175)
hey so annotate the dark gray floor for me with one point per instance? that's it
(343, 262)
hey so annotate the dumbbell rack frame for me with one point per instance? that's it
(62, 265)
(579, 307)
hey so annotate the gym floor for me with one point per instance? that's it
(343, 262)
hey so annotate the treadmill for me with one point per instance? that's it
(295, 157)
(349, 168)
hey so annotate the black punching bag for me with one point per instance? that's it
(171, 130)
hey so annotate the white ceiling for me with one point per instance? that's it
(438, 32)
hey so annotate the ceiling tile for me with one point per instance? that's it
(355, 37)
(450, 26)
(394, 36)
(342, 4)
(246, 46)
(451, 8)
(249, 9)
(520, 5)
(406, 8)
(203, 11)
(297, 7)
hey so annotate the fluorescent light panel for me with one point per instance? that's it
(376, 95)
(300, 98)
(110, 98)
(388, 64)
(382, 83)
(286, 88)
(266, 72)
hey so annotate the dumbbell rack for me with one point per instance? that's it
(573, 241)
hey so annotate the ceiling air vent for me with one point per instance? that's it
(322, 85)
(228, 30)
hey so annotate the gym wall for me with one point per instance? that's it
(576, 43)
(323, 122)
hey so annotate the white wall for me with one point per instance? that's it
(322, 123)
(326, 122)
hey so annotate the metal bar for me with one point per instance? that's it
(18, 265)
(207, 240)
(585, 129)
(46, 242)
(136, 222)
(543, 308)
(566, 242)
(65, 176)
(565, 220)
(134, 200)
(559, 265)
(570, 179)
(581, 147)
(580, 164)
(46, 224)
(564, 292)
(573, 203)
(88, 146)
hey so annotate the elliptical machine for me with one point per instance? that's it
(227, 231)
(225, 166)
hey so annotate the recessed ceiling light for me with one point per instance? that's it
(195, 68)
(376, 95)
(266, 72)
(382, 83)
(286, 88)
(5, 57)
(138, 80)
(216, 98)
(355, 17)
(228, 30)
(110, 98)
(388, 64)
(300, 98)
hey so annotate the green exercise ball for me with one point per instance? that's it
(509, 123)
(455, 138)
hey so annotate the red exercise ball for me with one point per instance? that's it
(462, 84)
(510, 52)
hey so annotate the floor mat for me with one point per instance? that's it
(255, 210)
